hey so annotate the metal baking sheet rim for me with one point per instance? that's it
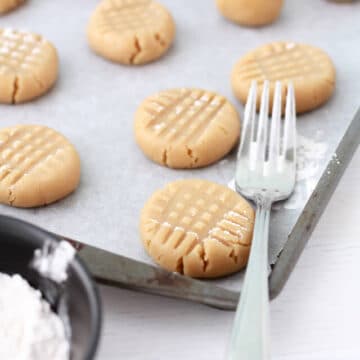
(314, 208)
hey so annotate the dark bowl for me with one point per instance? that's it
(18, 240)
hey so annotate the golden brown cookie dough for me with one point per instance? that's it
(309, 68)
(250, 12)
(197, 228)
(8, 5)
(37, 166)
(28, 66)
(130, 31)
(186, 128)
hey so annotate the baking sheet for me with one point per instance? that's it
(94, 101)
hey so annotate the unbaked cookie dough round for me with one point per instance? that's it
(8, 5)
(28, 66)
(37, 166)
(250, 12)
(186, 128)
(309, 69)
(197, 228)
(130, 31)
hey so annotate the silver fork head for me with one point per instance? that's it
(266, 164)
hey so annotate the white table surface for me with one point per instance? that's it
(316, 317)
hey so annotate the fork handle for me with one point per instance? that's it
(250, 334)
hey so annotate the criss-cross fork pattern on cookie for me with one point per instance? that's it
(20, 52)
(283, 61)
(25, 149)
(189, 215)
(183, 115)
(126, 15)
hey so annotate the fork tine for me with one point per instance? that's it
(289, 142)
(251, 108)
(247, 132)
(262, 130)
(274, 143)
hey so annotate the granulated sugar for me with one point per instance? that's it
(310, 159)
(310, 154)
(29, 329)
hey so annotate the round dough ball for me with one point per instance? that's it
(250, 12)
(37, 166)
(8, 5)
(130, 31)
(28, 66)
(197, 228)
(186, 128)
(309, 69)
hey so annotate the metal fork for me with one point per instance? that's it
(265, 173)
